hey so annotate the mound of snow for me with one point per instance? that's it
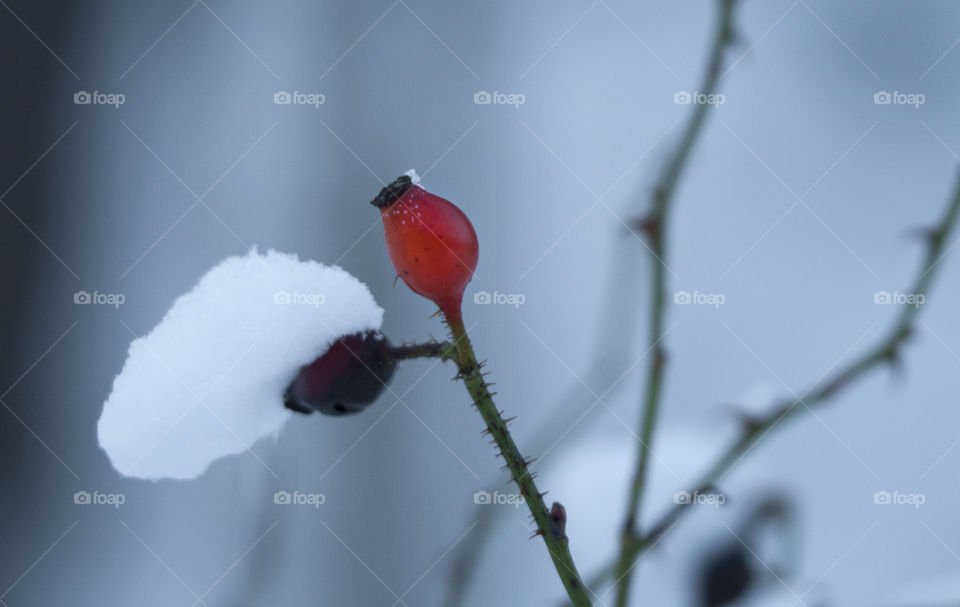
(208, 381)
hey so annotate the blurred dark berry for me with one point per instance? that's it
(725, 576)
(347, 378)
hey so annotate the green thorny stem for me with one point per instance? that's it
(550, 528)
(654, 226)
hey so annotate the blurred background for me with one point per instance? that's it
(144, 142)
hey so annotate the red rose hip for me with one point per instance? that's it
(431, 243)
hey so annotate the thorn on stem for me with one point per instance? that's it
(649, 225)
(659, 358)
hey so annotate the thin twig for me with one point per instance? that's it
(654, 225)
(432, 349)
(465, 563)
(548, 526)
(886, 351)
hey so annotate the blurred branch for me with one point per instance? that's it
(654, 226)
(465, 562)
(756, 429)
(551, 525)
(886, 351)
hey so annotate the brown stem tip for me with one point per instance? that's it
(392, 192)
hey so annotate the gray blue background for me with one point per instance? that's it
(797, 207)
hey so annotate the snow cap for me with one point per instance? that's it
(208, 381)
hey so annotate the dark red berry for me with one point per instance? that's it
(347, 378)
(431, 243)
